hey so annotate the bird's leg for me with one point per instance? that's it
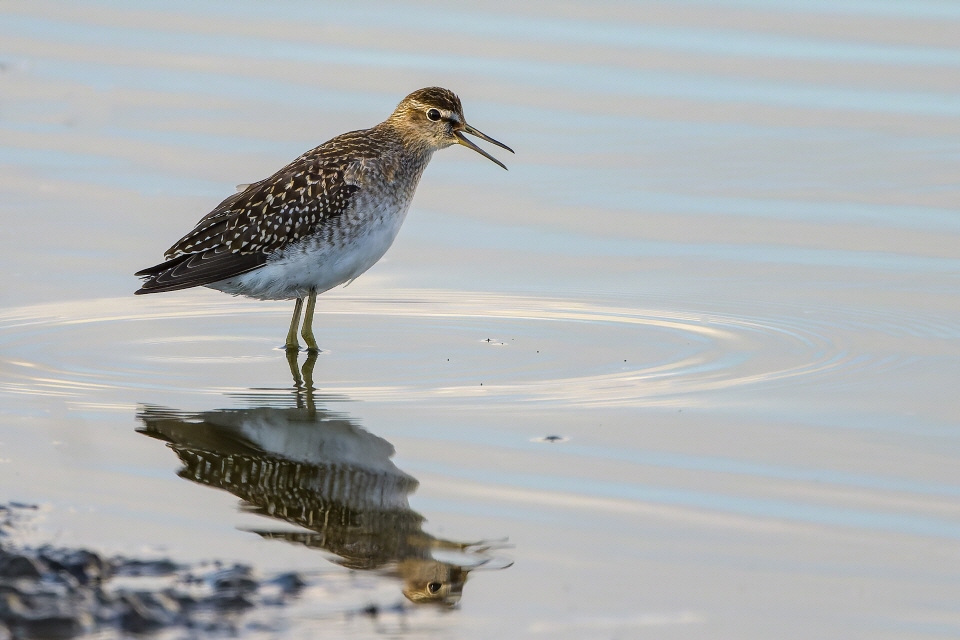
(292, 344)
(307, 331)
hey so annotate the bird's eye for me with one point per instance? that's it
(433, 587)
(433, 114)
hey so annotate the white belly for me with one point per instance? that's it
(316, 265)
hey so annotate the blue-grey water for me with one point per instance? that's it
(724, 267)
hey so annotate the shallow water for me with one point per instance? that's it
(723, 268)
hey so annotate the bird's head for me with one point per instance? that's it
(429, 581)
(432, 119)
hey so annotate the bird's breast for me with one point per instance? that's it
(344, 246)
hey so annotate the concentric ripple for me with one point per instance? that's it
(417, 344)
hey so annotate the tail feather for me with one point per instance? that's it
(197, 269)
(160, 268)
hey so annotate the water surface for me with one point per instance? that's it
(723, 268)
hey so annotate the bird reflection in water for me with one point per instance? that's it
(318, 470)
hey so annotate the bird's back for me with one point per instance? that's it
(322, 200)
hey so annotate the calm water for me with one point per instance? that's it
(724, 268)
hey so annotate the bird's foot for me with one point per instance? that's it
(296, 348)
(312, 346)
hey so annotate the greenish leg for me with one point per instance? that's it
(307, 331)
(292, 344)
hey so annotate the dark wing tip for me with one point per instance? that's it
(151, 274)
(157, 269)
(198, 269)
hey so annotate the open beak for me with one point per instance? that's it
(467, 143)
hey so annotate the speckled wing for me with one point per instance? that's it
(246, 228)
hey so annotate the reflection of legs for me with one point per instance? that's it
(292, 344)
(308, 366)
(303, 384)
(294, 369)
(307, 331)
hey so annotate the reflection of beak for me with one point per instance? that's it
(467, 143)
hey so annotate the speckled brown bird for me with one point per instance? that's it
(323, 219)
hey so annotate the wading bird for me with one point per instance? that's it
(323, 219)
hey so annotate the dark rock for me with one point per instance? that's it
(146, 611)
(185, 601)
(52, 628)
(39, 614)
(86, 566)
(231, 602)
(20, 567)
(237, 579)
(60, 593)
(289, 583)
(141, 568)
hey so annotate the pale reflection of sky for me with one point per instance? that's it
(617, 80)
(738, 505)
(477, 234)
(607, 32)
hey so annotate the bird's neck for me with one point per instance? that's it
(410, 141)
